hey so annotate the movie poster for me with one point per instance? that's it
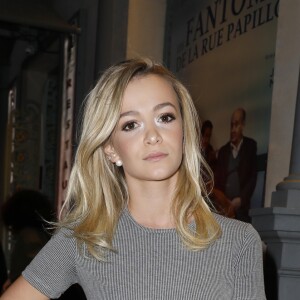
(223, 51)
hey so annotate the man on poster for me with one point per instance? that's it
(236, 171)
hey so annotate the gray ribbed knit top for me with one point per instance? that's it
(154, 264)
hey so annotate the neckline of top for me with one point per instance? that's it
(145, 228)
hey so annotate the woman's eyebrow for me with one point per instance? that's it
(162, 105)
(128, 113)
(156, 107)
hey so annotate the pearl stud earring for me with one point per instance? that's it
(119, 163)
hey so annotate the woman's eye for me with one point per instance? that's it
(129, 126)
(166, 118)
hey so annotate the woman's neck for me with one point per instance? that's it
(150, 204)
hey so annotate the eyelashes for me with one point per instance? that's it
(163, 118)
(128, 126)
(166, 118)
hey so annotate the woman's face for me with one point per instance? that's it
(148, 137)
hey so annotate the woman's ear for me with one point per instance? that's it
(110, 153)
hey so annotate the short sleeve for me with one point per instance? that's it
(249, 280)
(53, 270)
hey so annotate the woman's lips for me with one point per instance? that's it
(155, 156)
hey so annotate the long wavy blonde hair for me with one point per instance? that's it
(97, 191)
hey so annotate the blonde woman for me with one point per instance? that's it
(138, 225)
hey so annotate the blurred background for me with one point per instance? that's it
(53, 51)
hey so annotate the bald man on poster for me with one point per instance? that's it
(236, 170)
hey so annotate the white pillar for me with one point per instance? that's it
(287, 57)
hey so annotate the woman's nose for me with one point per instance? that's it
(153, 137)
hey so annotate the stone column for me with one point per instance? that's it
(288, 191)
(279, 225)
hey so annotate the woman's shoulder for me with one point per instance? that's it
(62, 236)
(236, 230)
